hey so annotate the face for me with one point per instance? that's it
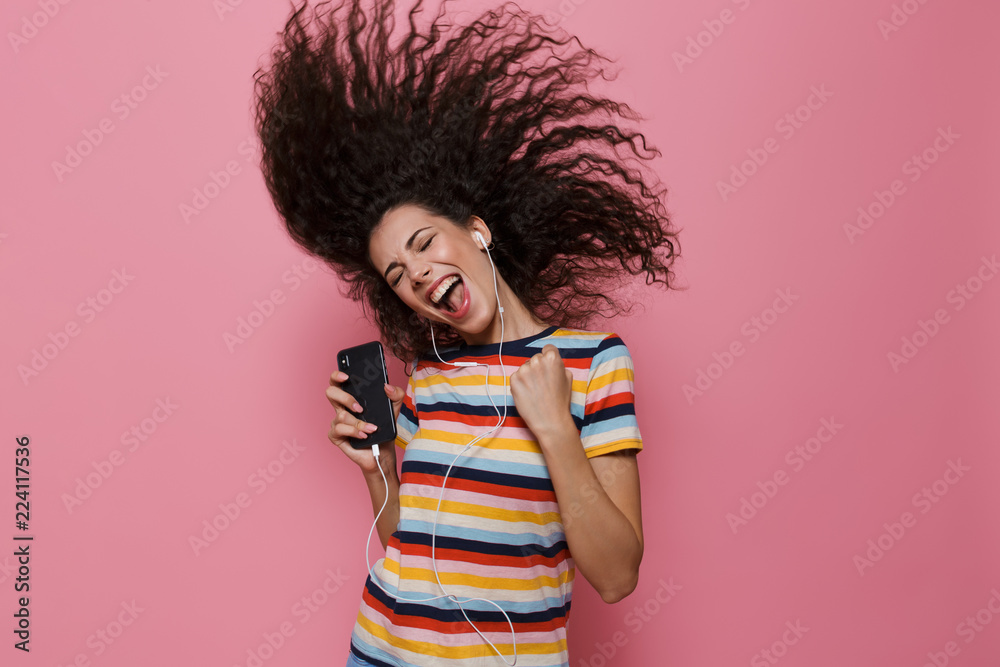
(416, 252)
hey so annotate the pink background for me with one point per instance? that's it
(708, 595)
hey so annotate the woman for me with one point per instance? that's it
(463, 190)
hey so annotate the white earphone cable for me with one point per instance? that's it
(375, 452)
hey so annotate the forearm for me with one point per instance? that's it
(601, 539)
(389, 520)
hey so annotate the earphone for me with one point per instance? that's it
(375, 451)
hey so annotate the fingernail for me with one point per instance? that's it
(370, 428)
(363, 434)
(342, 376)
(357, 407)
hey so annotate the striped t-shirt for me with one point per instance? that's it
(499, 533)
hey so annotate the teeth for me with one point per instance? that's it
(445, 284)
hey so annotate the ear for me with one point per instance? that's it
(479, 226)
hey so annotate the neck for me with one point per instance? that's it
(518, 321)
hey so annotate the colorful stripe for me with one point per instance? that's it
(499, 532)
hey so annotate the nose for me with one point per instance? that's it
(420, 272)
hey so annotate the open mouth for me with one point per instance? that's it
(453, 297)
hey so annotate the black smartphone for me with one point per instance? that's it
(366, 373)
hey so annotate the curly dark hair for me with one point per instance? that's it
(352, 128)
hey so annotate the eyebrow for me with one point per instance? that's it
(409, 246)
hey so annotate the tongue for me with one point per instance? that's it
(456, 296)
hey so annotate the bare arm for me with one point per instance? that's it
(602, 517)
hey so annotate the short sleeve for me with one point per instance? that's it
(609, 421)
(406, 422)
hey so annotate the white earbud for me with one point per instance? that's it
(482, 241)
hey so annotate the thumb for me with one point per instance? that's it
(394, 393)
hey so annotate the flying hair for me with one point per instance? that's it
(492, 119)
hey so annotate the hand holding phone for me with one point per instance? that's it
(366, 374)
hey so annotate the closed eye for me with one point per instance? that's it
(425, 246)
